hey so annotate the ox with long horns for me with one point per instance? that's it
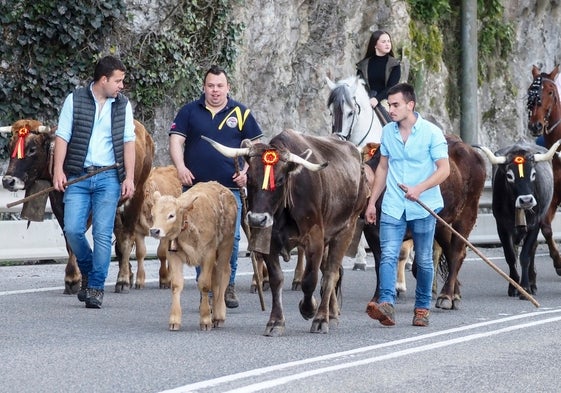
(298, 200)
(522, 191)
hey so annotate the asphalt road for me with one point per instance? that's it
(50, 343)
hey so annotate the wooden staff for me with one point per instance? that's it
(485, 259)
(52, 188)
(256, 269)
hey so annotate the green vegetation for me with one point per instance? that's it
(435, 31)
(49, 47)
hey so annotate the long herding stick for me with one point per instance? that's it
(52, 188)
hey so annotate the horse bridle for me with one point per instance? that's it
(535, 98)
(356, 113)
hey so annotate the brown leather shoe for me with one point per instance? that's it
(421, 317)
(383, 312)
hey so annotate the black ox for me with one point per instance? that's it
(311, 205)
(522, 192)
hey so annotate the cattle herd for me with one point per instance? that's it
(308, 193)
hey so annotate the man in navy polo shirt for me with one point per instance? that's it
(218, 117)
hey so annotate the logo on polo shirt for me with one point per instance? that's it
(232, 122)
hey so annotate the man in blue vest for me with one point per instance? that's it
(95, 130)
(226, 121)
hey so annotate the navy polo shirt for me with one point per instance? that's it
(228, 127)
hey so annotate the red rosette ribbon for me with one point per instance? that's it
(19, 149)
(269, 158)
(520, 161)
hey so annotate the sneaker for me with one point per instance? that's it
(82, 292)
(94, 298)
(230, 297)
(383, 312)
(421, 317)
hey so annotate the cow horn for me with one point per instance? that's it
(6, 129)
(549, 155)
(495, 160)
(305, 163)
(46, 129)
(227, 151)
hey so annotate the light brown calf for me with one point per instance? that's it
(163, 179)
(202, 221)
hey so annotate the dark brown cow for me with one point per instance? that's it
(202, 222)
(35, 164)
(166, 182)
(297, 203)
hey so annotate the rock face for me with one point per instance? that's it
(289, 46)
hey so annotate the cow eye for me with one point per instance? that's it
(171, 216)
(510, 176)
(533, 175)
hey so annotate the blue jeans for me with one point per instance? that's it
(98, 196)
(237, 235)
(391, 238)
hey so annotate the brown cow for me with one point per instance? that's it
(36, 163)
(165, 180)
(203, 221)
(295, 202)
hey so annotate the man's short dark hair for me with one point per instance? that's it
(106, 66)
(405, 89)
(215, 70)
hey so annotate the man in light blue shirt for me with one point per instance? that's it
(95, 130)
(414, 154)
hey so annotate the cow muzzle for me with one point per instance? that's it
(156, 233)
(259, 220)
(525, 202)
(12, 183)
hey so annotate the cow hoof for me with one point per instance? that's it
(122, 287)
(306, 312)
(174, 327)
(296, 285)
(444, 303)
(218, 323)
(253, 288)
(71, 288)
(275, 329)
(320, 326)
(401, 295)
(558, 271)
(165, 285)
(266, 285)
(205, 327)
(359, 266)
(139, 286)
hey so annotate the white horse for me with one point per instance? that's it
(353, 118)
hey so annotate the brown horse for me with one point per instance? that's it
(544, 118)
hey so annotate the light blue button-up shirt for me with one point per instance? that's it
(100, 149)
(411, 163)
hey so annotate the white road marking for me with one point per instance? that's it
(202, 385)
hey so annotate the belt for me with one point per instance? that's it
(93, 168)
